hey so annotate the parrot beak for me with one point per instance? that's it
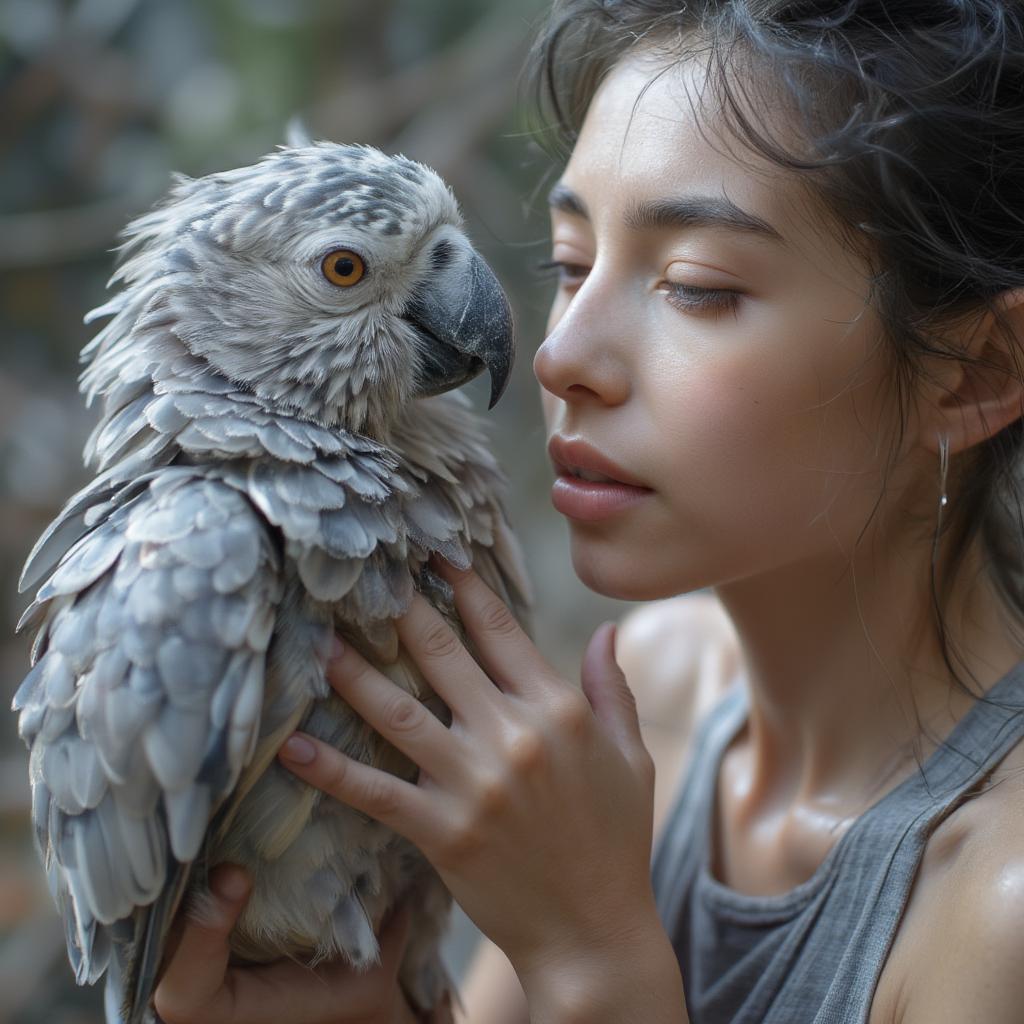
(465, 325)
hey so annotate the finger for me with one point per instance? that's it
(507, 654)
(194, 978)
(605, 686)
(402, 806)
(365, 993)
(450, 669)
(398, 716)
(361, 991)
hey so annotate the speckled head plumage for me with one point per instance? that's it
(237, 266)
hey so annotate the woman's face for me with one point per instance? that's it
(735, 370)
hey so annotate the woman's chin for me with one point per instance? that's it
(619, 574)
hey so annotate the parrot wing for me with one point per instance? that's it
(141, 710)
(207, 418)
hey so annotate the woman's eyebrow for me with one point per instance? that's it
(561, 197)
(698, 211)
(677, 212)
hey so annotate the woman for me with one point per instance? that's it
(790, 301)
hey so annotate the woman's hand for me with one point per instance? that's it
(535, 806)
(198, 986)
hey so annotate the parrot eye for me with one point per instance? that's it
(343, 267)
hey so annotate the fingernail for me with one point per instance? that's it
(337, 648)
(298, 749)
(232, 885)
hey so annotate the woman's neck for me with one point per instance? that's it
(846, 677)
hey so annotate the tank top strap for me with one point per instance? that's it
(819, 962)
(883, 848)
(678, 853)
(982, 737)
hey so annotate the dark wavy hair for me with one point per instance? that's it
(910, 117)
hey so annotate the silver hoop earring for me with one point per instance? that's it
(943, 470)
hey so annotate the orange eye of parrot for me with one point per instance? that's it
(343, 267)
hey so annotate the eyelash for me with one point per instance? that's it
(563, 269)
(700, 299)
(689, 298)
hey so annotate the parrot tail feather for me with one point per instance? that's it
(136, 961)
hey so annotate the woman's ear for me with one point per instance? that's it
(976, 397)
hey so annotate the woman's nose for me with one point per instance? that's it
(583, 356)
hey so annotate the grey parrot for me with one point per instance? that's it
(279, 452)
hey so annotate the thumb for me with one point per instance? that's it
(605, 686)
(196, 970)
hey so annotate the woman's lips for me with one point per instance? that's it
(588, 500)
(575, 453)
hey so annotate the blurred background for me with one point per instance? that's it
(99, 101)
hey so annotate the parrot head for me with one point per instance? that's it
(333, 281)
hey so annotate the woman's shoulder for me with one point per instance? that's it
(959, 950)
(680, 656)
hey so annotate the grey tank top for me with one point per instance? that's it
(812, 955)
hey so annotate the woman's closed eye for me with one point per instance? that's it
(692, 299)
(687, 297)
(570, 275)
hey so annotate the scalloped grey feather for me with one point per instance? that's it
(276, 459)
